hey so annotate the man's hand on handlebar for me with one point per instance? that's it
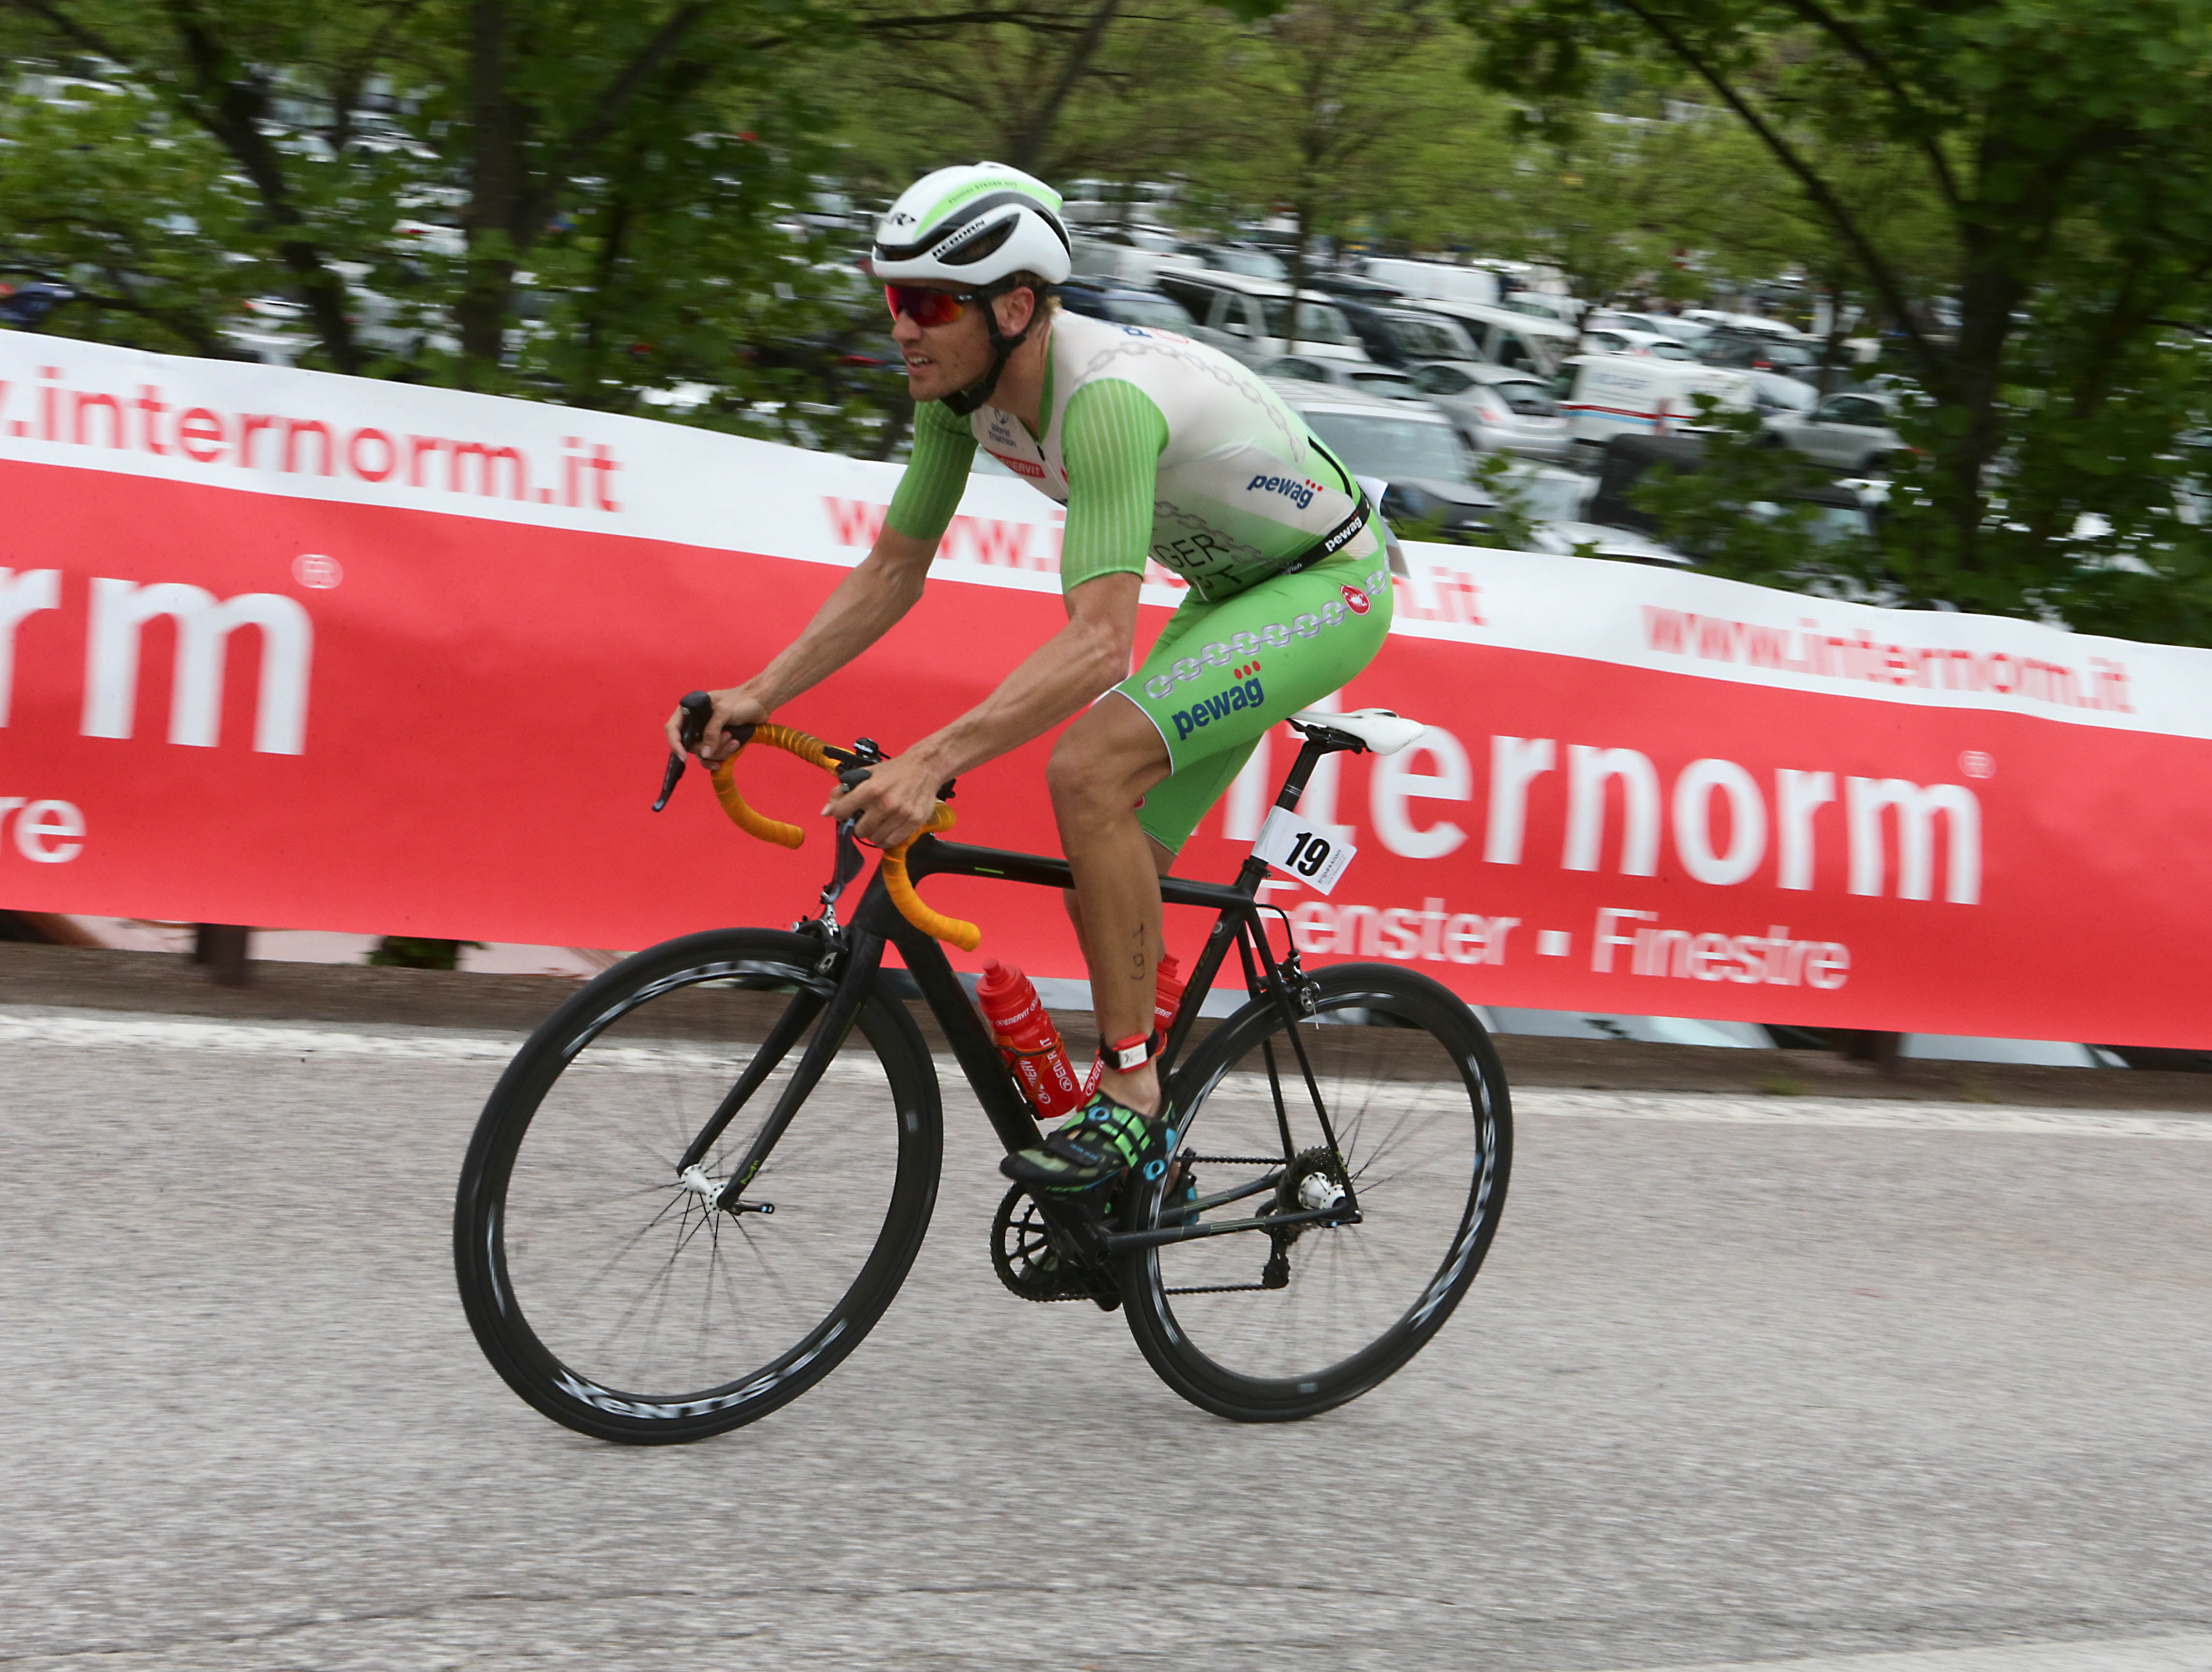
(733, 708)
(896, 801)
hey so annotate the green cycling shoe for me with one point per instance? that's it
(1103, 1144)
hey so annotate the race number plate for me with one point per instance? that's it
(1315, 857)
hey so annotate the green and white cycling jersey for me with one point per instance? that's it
(1159, 448)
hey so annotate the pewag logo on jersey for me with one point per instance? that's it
(1354, 600)
(1299, 491)
(1245, 693)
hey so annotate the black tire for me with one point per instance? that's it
(1425, 1125)
(575, 1242)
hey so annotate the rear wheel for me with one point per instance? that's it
(1271, 1325)
(606, 1285)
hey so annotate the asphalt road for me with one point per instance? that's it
(1741, 1383)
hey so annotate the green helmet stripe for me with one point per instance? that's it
(951, 200)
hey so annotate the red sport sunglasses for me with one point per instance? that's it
(926, 308)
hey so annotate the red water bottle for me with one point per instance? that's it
(1027, 1039)
(1167, 994)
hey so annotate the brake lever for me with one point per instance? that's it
(697, 708)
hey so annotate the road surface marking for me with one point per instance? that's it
(2138, 1654)
(29, 1025)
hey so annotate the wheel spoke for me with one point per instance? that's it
(1409, 1140)
(639, 1286)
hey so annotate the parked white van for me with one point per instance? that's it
(1250, 318)
(1433, 280)
(1615, 394)
(1520, 341)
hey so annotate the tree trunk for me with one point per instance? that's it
(1300, 212)
(1025, 150)
(230, 100)
(494, 191)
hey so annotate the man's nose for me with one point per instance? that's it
(904, 331)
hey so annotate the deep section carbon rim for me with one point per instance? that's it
(1283, 1324)
(613, 1293)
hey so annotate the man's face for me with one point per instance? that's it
(942, 360)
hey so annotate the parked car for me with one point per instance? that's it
(1520, 341)
(1612, 394)
(1124, 304)
(1385, 380)
(1434, 281)
(1565, 537)
(1851, 434)
(1623, 339)
(1405, 336)
(1751, 351)
(1088, 203)
(1662, 324)
(1352, 287)
(1546, 305)
(1132, 254)
(1251, 317)
(1410, 449)
(1774, 394)
(1843, 511)
(1235, 257)
(1494, 409)
(1757, 324)
(25, 308)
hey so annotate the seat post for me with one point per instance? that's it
(1320, 740)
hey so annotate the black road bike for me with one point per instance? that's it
(699, 1185)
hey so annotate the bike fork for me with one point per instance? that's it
(864, 954)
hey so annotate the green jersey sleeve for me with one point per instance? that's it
(935, 475)
(1111, 439)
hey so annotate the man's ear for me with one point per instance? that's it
(1014, 310)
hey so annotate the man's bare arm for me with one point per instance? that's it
(1070, 670)
(867, 605)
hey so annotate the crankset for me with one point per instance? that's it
(1036, 1260)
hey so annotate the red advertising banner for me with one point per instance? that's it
(288, 650)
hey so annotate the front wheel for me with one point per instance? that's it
(1270, 1325)
(603, 1281)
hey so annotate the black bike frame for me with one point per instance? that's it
(876, 923)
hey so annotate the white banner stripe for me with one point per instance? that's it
(305, 434)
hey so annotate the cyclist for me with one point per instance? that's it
(1159, 448)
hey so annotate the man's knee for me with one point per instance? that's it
(1076, 776)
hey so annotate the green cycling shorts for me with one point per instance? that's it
(1222, 673)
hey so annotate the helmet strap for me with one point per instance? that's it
(962, 402)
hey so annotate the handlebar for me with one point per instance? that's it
(850, 766)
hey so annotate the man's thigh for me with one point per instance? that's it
(1222, 673)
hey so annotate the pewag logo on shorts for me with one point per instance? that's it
(1299, 491)
(1244, 694)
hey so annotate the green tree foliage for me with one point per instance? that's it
(106, 195)
(2064, 152)
(559, 199)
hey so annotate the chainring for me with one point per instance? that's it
(1027, 1260)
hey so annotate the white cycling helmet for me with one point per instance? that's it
(973, 224)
